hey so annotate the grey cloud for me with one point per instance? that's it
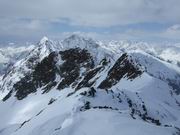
(95, 12)
(31, 19)
(18, 29)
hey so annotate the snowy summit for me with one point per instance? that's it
(44, 40)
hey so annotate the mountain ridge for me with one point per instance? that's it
(67, 87)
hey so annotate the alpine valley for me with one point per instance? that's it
(79, 86)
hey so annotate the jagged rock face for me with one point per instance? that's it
(75, 64)
(122, 68)
(86, 81)
(74, 60)
(45, 72)
(25, 66)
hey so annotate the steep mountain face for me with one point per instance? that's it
(78, 86)
(10, 55)
(26, 66)
(153, 57)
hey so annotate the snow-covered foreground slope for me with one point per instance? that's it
(80, 87)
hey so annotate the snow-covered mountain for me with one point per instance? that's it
(82, 87)
(9, 55)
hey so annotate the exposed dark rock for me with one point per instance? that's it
(105, 107)
(74, 59)
(24, 87)
(45, 71)
(129, 102)
(85, 82)
(149, 119)
(122, 68)
(178, 130)
(39, 112)
(119, 97)
(43, 74)
(90, 93)
(86, 106)
(7, 96)
(104, 62)
(48, 87)
(70, 94)
(57, 128)
(52, 100)
(23, 124)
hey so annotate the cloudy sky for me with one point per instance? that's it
(147, 20)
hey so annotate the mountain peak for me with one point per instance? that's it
(75, 36)
(43, 40)
(76, 40)
(78, 37)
